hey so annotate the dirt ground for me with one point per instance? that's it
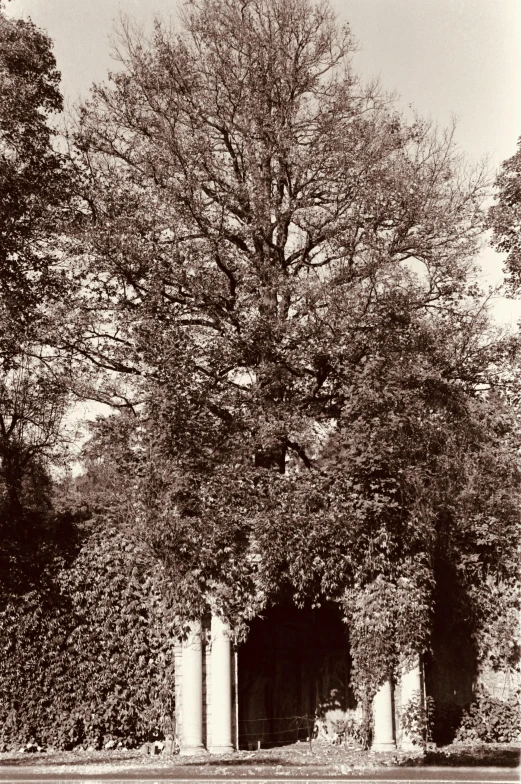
(288, 760)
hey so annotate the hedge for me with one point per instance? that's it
(89, 659)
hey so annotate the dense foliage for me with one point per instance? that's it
(505, 217)
(87, 657)
(491, 720)
(272, 274)
(281, 273)
(392, 509)
(35, 209)
(86, 644)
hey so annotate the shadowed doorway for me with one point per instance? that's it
(293, 662)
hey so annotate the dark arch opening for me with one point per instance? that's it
(293, 664)
(452, 666)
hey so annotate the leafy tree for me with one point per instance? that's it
(32, 438)
(505, 217)
(35, 199)
(35, 205)
(34, 185)
(256, 182)
(278, 278)
(86, 643)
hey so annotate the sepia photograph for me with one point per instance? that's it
(260, 388)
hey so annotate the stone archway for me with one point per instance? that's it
(293, 663)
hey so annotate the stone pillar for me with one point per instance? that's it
(221, 698)
(192, 692)
(383, 739)
(412, 689)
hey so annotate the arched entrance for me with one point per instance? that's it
(293, 663)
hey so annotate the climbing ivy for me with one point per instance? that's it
(89, 658)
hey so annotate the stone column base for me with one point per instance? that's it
(390, 746)
(221, 749)
(186, 751)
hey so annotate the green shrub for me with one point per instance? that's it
(351, 730)
(490, 720)
(90, 657)
(417, 719)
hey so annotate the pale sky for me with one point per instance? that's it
(445, 57)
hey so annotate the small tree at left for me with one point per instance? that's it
(35, 209)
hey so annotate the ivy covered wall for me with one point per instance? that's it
(88, 657)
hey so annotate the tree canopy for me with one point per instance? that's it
(279, 282)
(505, 217)
(35, 210)
(272, 274)
(34, 184)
